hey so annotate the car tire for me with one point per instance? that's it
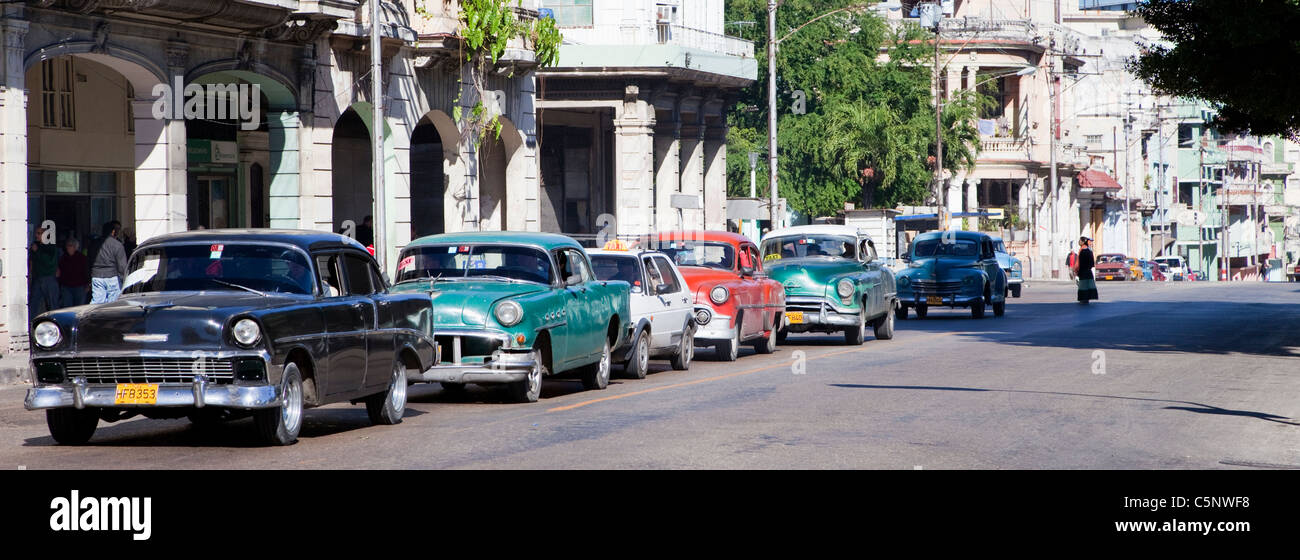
(855, 336)
(977, 308)
(71, 426)
(781, 335)
(728, 351)
(1015, 291)
(280, 425)
(530, 389)
(686, 352)
(768, 345)
(638, 363)
(922, 310)
(885, 325)
(999, 308)
(596, 376)
(386, 408)
(902, 313)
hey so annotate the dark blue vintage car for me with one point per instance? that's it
(218, 323)
(952, 269)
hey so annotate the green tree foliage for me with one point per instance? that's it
(868, 133)
(1238, 54)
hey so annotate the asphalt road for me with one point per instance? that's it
(1154, 376)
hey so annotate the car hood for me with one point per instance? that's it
(701, 279)
(810, 275)
(939, 268)
(1006, 261)
(173, 321)
(467, 303)
(1111, 266)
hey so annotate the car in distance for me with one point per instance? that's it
(954, 269)
(833, 281)
(1177, 268)
(734, 301)
(662, 319)
(512, 308)
(1011, 266)
(218, 323)
(1111, 266)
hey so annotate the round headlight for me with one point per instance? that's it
(844, 287)
(903, 280)
(719, 295)
(247, 332)
(509, 313)
(47, 334)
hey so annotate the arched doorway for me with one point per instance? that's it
(353, 197)
(432, 160)
(492, 185)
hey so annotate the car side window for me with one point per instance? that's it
(377, 279)
(358, 273)
(654, 278)
(666, 272)
(327, 265)
(578, 264)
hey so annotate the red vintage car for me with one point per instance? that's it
(734, 301)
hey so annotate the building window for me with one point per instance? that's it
(1092, 139)
(570, 13)
(130, 108)
(1186, 136)
(56, 94)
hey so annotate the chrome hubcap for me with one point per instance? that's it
(535, 376)
(604, 365)
(643, 354)
(291, 410)
(397, 395)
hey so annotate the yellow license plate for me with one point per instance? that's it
(933, 300)
(795, 317)
(1109, 278)
(136, 393)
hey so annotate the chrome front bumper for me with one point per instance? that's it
(199, 393)
(718, 329)
(505, 367)
(818, 312)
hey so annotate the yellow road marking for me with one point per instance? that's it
(726, 376)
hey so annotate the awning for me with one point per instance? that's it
(1097, 180)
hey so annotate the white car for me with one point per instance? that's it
(1177, 268)
(662, 322)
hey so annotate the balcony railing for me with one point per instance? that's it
(659, 33)
(1067, 41)
(1003, 148)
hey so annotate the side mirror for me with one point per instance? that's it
(573, 280)
(746, 271)
(662, 289)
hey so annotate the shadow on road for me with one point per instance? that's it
(235, 433)
(1199, 408)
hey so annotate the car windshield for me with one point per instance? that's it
(223, 266)
(616, 267)
(467, 261)
(938, 247)
(1110, 259)
(798, 246)
(699, 253)
(998, 247)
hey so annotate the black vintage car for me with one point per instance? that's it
(221, 323)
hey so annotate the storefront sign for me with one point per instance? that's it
(213, 151)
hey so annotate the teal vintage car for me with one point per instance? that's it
(513, 308)
(833, 281)
(952, 269)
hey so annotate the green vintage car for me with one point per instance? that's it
(833, 281)
(512, 308)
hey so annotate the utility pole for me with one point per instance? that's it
(771, 114)
(941, 193)
(1054, 194)
(1160, 171)
(377, 136)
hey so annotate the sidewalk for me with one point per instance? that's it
(13, 368)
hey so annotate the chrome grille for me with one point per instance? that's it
(150, 370)
(452, 349)
(807, 305)
(931, 287)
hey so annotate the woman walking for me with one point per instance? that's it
(1087, 284)
(74, 275)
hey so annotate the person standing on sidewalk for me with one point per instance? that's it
(1087, 284)
(109, 270)
(43, 262)
(74, 275)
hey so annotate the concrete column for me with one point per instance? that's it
(692, 177)
(523, 176)
(463, 201)
(161, 166)
(972, 77)
(13, 187)
(285, 187)
(715, 178)
(954, 201)
(634, 159)
(667, 173)
(972, 195)
(954, 81)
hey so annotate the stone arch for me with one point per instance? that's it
(274, 146)
(503, 176)
(351, 189)
(435, 172)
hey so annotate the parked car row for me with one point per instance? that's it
(219, 324)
